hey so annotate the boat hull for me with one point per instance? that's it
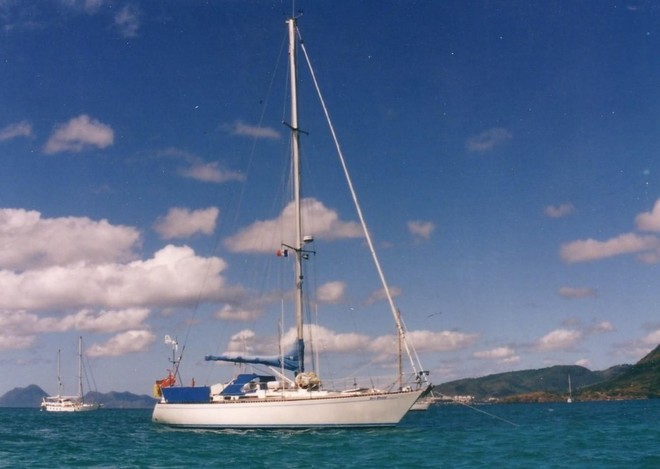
(337, 410)
(68, 406)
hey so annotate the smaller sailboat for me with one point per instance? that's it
(570, 391)
(62, 403)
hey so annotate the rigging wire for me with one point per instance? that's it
(250, 161)
(359, 210)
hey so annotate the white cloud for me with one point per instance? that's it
(649, 221)
(421, 229)
(13, 342)
(500, 354)
(574, 292)
(591, 249)
(488, 139)
(331, 292)
(559, 211)
(80, 133)
(210, 172)
(240, 128)
(20, 129)
(29, 241)
(329, 341)
(122, 344)
(267, 235)
(238, 313)
(601, 328)
(559, 339)
(174, 276)
(381, 294)
(127, 21)
(88, 6)
(110, 321)
(19, 328)
(585, 362)
(442, 341)
(183, 223)
(652, 339)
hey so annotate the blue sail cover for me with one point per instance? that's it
(289, 361)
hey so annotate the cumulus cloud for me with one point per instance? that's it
(649, 221)
(122, 344)
(28, 241)
(381, 294)
(183, 223)
(639, 348)
(585, 362)
(19, 129)
(108, 321)
(646, 247)
(442, 341)
(127, 21)
(242, 129)
(174, 276)
(559, 211)
(591, 249)
(19, 328)
(267, 235)
(652, 339)
(88, 6)
(201, 170)
(325, 339)
(80, 133)
(574, 292)
(330, 341)
(499, 354)
(331, 292)
(488, 139)
(243, 312)
(421, 229)
(211, 172)
(601, 328)
(559, 339)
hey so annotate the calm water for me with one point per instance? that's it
(614, 434)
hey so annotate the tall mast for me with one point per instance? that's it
(59, 373)
(295, 156)
(80, 389)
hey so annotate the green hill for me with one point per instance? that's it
(550, 380)
(639, 381)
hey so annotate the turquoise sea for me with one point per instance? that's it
(593, 434)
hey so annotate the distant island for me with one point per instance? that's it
(638, 381)
(32, 395)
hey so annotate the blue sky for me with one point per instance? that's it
(505, 154)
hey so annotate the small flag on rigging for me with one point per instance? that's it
(282, 253)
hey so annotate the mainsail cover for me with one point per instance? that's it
(289, 361)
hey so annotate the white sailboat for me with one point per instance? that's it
(570, 391)
(62, 403)
(275, 399)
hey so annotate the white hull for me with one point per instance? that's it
(330, 410)
(67, 405)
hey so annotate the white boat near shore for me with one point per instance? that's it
(60, 403)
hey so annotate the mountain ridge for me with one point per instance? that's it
(32, 395)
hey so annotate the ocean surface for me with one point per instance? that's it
(592, 434)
